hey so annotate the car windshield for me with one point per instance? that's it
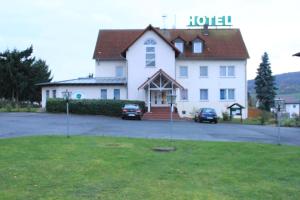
(208, 110)
(131, 106)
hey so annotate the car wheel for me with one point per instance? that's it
(216, 121)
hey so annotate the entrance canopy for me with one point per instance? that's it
(160, 81)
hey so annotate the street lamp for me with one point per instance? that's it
(67, 96)
(279, 106)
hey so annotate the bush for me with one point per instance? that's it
(13, 106)
(8, 107)
(91, 106)
(225, 116)
(264, 117)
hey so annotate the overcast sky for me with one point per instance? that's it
(64, 32)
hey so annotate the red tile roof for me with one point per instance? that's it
(218, 44)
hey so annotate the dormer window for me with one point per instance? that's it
(179, 44)
(197, 46)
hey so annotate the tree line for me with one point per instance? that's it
(19, 74)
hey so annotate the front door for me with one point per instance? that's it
(159, 98)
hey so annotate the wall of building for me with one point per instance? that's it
(108, 68)
(88, 92)
(213, 82)
(292, 109)
(138, 73)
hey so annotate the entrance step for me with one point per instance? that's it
(160, 113)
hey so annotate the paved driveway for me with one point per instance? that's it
(24, 124)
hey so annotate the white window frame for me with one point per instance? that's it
(150, 62)
(179, 45)
(117, 89)
(103, 89)
(184, 96)
(197, 49)
(117, 71)
(187, 71)
(233, 70)
(204, 89)
(205, 67)
(47, 94)
(228, 97)
(54, 94)
(227, 91)
(225, 98)
(224, 71)
(222, 67)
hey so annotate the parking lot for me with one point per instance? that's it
(26, 124)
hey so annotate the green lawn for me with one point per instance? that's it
(56, 167)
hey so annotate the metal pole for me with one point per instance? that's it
(278, 132)
(68, 120)
(171, 120)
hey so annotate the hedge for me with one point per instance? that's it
(91, 106)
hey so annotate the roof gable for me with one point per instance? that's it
(150, 28)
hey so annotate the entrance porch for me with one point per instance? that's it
(157, 88)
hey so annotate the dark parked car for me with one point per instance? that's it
(132, 111)
(206, 114)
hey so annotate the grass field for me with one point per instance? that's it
(55, 167)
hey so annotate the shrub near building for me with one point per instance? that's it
(91, 106)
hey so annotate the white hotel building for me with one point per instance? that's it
(203, 67)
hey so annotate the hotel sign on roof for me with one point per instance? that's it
(198, 21)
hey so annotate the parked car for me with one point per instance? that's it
(206, 114)
(132, 111)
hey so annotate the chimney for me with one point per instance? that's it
(205, 29)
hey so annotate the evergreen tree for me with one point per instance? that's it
(19, 74)
(265, 84)
(39, 73)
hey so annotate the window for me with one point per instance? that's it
(222, 70)
(227, 71)
(47, 94)
(116, 94)
(294, 105)
(119, 71)
(203, 94)
(150, 56)
(203, 71)
(227, 94)
(231, 71)
(197, 46)
(183, 71)
(184, 94)
(179, 45)
(231, 94)
(150, 41)
(53, 93)
(223, 94)
(103, 93)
